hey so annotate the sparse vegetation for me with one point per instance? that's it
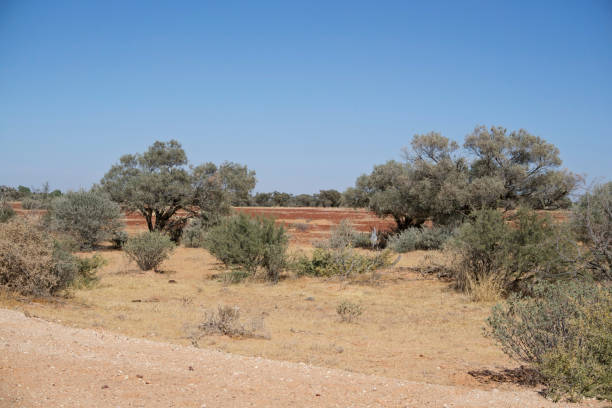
(149, 249)
(89, 216)
(349, 311)
(119, 238)
(564, 331)
(249, 243)
(6, 211)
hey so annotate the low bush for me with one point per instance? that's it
(6, 212)
(149, 249)
(249, 243)
(509, 255)
(565, 332)
(419, 238)
(30, 263)
(344, 263)
(194, 234)
(349, 311)
(119, 238)
(226, 321)
(33, 204)
(89, 216)
(87, 268)
(592, 221)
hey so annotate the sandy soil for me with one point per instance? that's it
(44, 364)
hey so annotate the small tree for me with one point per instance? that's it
(89, 216)
(158, 184)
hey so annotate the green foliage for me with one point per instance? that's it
(436, 182)
(592, 221)
(6, 212)
(89, 216)
(419, 238)
(342, 262)
(30, 263)
(158, 183)
(86, 274)
(349, 311)
(525, 248)
(149, 249)
(329, 198)
(119, 239)
(249, 243)
(565, 332)
(194, 234)
(29, 203)
(238, 181)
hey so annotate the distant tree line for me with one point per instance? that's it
(325, 198)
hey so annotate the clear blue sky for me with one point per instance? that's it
(309, 94)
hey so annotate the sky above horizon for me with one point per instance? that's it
(308, 94)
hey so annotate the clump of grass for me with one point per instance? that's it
(349, 311)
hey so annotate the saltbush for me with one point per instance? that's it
(6, 212)
(508, 255)
(119, 238)
(33, 204)
(149, 249)
(89, 216)
(592, 221)
(565, 332)
(343, 262)
(249, 243)
(419, 238)
(194, 234)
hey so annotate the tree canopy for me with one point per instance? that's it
(440, 182)
(159, 182)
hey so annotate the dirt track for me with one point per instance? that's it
(44, 364)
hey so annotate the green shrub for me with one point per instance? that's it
(6, 212)
(349, 311)
(249, 243)
(194, 234)
(361, 240)
(592, 221)
(344, 262)
(89, 216)
(87, 268)
(420, 238)
(119, 238)
(565, 332)
(30, 263)
(149, 249)
(509, 255)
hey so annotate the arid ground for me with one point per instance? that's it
(417, 335)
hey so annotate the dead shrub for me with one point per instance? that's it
(349, 311)
(30, 263)
(226, 321)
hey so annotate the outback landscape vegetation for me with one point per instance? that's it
(329, 204)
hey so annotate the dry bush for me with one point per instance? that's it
(30, 263)
(349, 311)
(226, 321)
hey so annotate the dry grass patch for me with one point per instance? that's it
(414, 329)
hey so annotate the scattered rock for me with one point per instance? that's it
(104, 386)
(171, 281)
